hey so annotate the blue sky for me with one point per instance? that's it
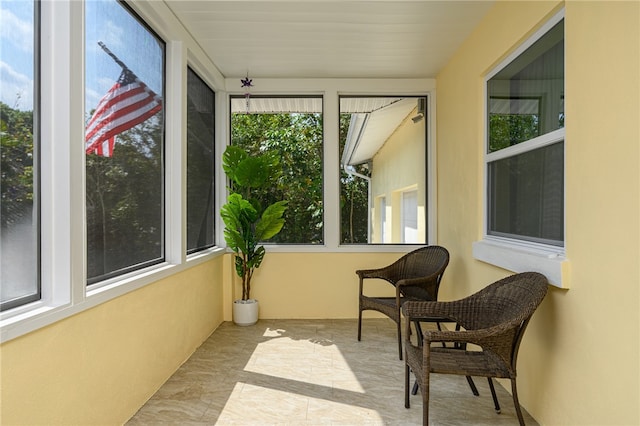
(16, 54)
(110, 23)
(106, 21)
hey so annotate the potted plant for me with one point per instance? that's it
(247, 222)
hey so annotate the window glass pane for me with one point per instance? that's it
(526, 196)
(382, 152)
(124, 141)
(200, 164)
(19, 229)
(526, 98)
(291, 127)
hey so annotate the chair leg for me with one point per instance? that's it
(399, 323)
(425, 397)
(407, 374)
(473, 387)
(496, 404)
(514, 391)
(359, 324)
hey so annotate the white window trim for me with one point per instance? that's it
(510, 253)
(541, 141)
(518, 256)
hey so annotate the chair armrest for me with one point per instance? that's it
(490, 340)
(414, 310)
(496, 342)
(382, 273)
(407, 282)
(476, 337)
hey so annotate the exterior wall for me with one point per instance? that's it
(398, 166)
(583, 342)
(102, 365)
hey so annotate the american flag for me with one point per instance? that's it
(128, 103)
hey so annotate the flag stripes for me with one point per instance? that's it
(105, 148)
(128, 103)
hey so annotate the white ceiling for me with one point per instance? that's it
(329, 39)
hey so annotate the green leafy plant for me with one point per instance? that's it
(247, 223)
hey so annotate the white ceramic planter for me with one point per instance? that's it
(245, 312)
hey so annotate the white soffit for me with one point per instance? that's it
(381, 124)
(309, 104)
(275, 105)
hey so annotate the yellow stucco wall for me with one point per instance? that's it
(315, 285)
(100, 366)
(400, 165)
(579, 361)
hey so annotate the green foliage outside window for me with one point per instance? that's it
(19, 218)
(16, 138)
(510, 129)
(125, 202)
(296, 139)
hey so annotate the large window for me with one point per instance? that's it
(19, 137)
(123, 141)
(292, 128)
(200, 164)
(525, 144)
(383, 153)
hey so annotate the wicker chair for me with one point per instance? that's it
(416, 276)
(494, 319)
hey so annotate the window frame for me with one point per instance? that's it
(394, 196)
(110, 276)
(509, 252)
(331, 92)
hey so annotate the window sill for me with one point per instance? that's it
(523, 258)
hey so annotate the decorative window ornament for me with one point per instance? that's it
(247, 83)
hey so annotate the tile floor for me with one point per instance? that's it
(311, 372)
